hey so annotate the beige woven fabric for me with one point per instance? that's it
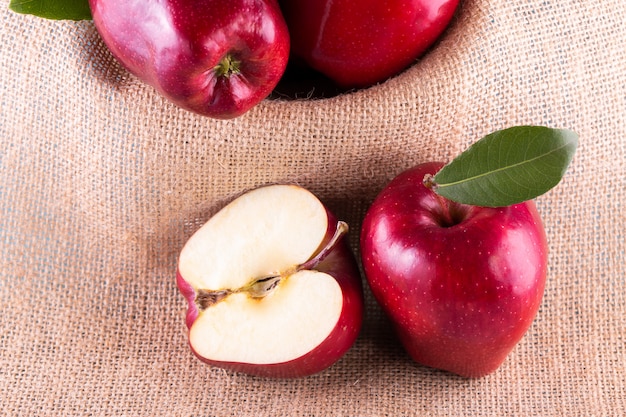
(102, 182)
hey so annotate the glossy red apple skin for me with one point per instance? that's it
(342, 265)
(358, 43)
(176, 45)
(461, 284)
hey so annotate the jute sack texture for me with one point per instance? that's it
(102, 181)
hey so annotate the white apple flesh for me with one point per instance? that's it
(272, 287)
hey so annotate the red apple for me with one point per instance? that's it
(215, 58)
(461, 284)
(272, 286)
(358, 43)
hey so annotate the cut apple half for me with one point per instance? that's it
(298, 314)
(261, 286)
(262, 233)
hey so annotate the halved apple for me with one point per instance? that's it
(272, 286)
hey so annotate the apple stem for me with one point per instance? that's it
(429, 182)
(340, 231)
(227, 66)
(262, 287)
(450, 213)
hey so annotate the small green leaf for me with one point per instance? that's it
(507, 167)
(53, 9)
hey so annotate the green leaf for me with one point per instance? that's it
(53, 9)
(507, 167)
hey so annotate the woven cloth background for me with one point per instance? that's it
(102, 182)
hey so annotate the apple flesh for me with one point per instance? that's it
(461, 284)
(272, 286)
(358, 43)
(215, 58)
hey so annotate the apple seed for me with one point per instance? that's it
(257, 289)
(263, 286)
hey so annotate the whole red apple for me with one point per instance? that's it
(215, 58)
(461, 284)
(358, 43)
(272, 286)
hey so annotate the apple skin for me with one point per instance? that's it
(177, 46)
(342, 265)
(461, 284)
(358, 43)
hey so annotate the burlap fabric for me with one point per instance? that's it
(102, 182)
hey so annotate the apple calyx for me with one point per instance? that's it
(264, 286)
(228, 66)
